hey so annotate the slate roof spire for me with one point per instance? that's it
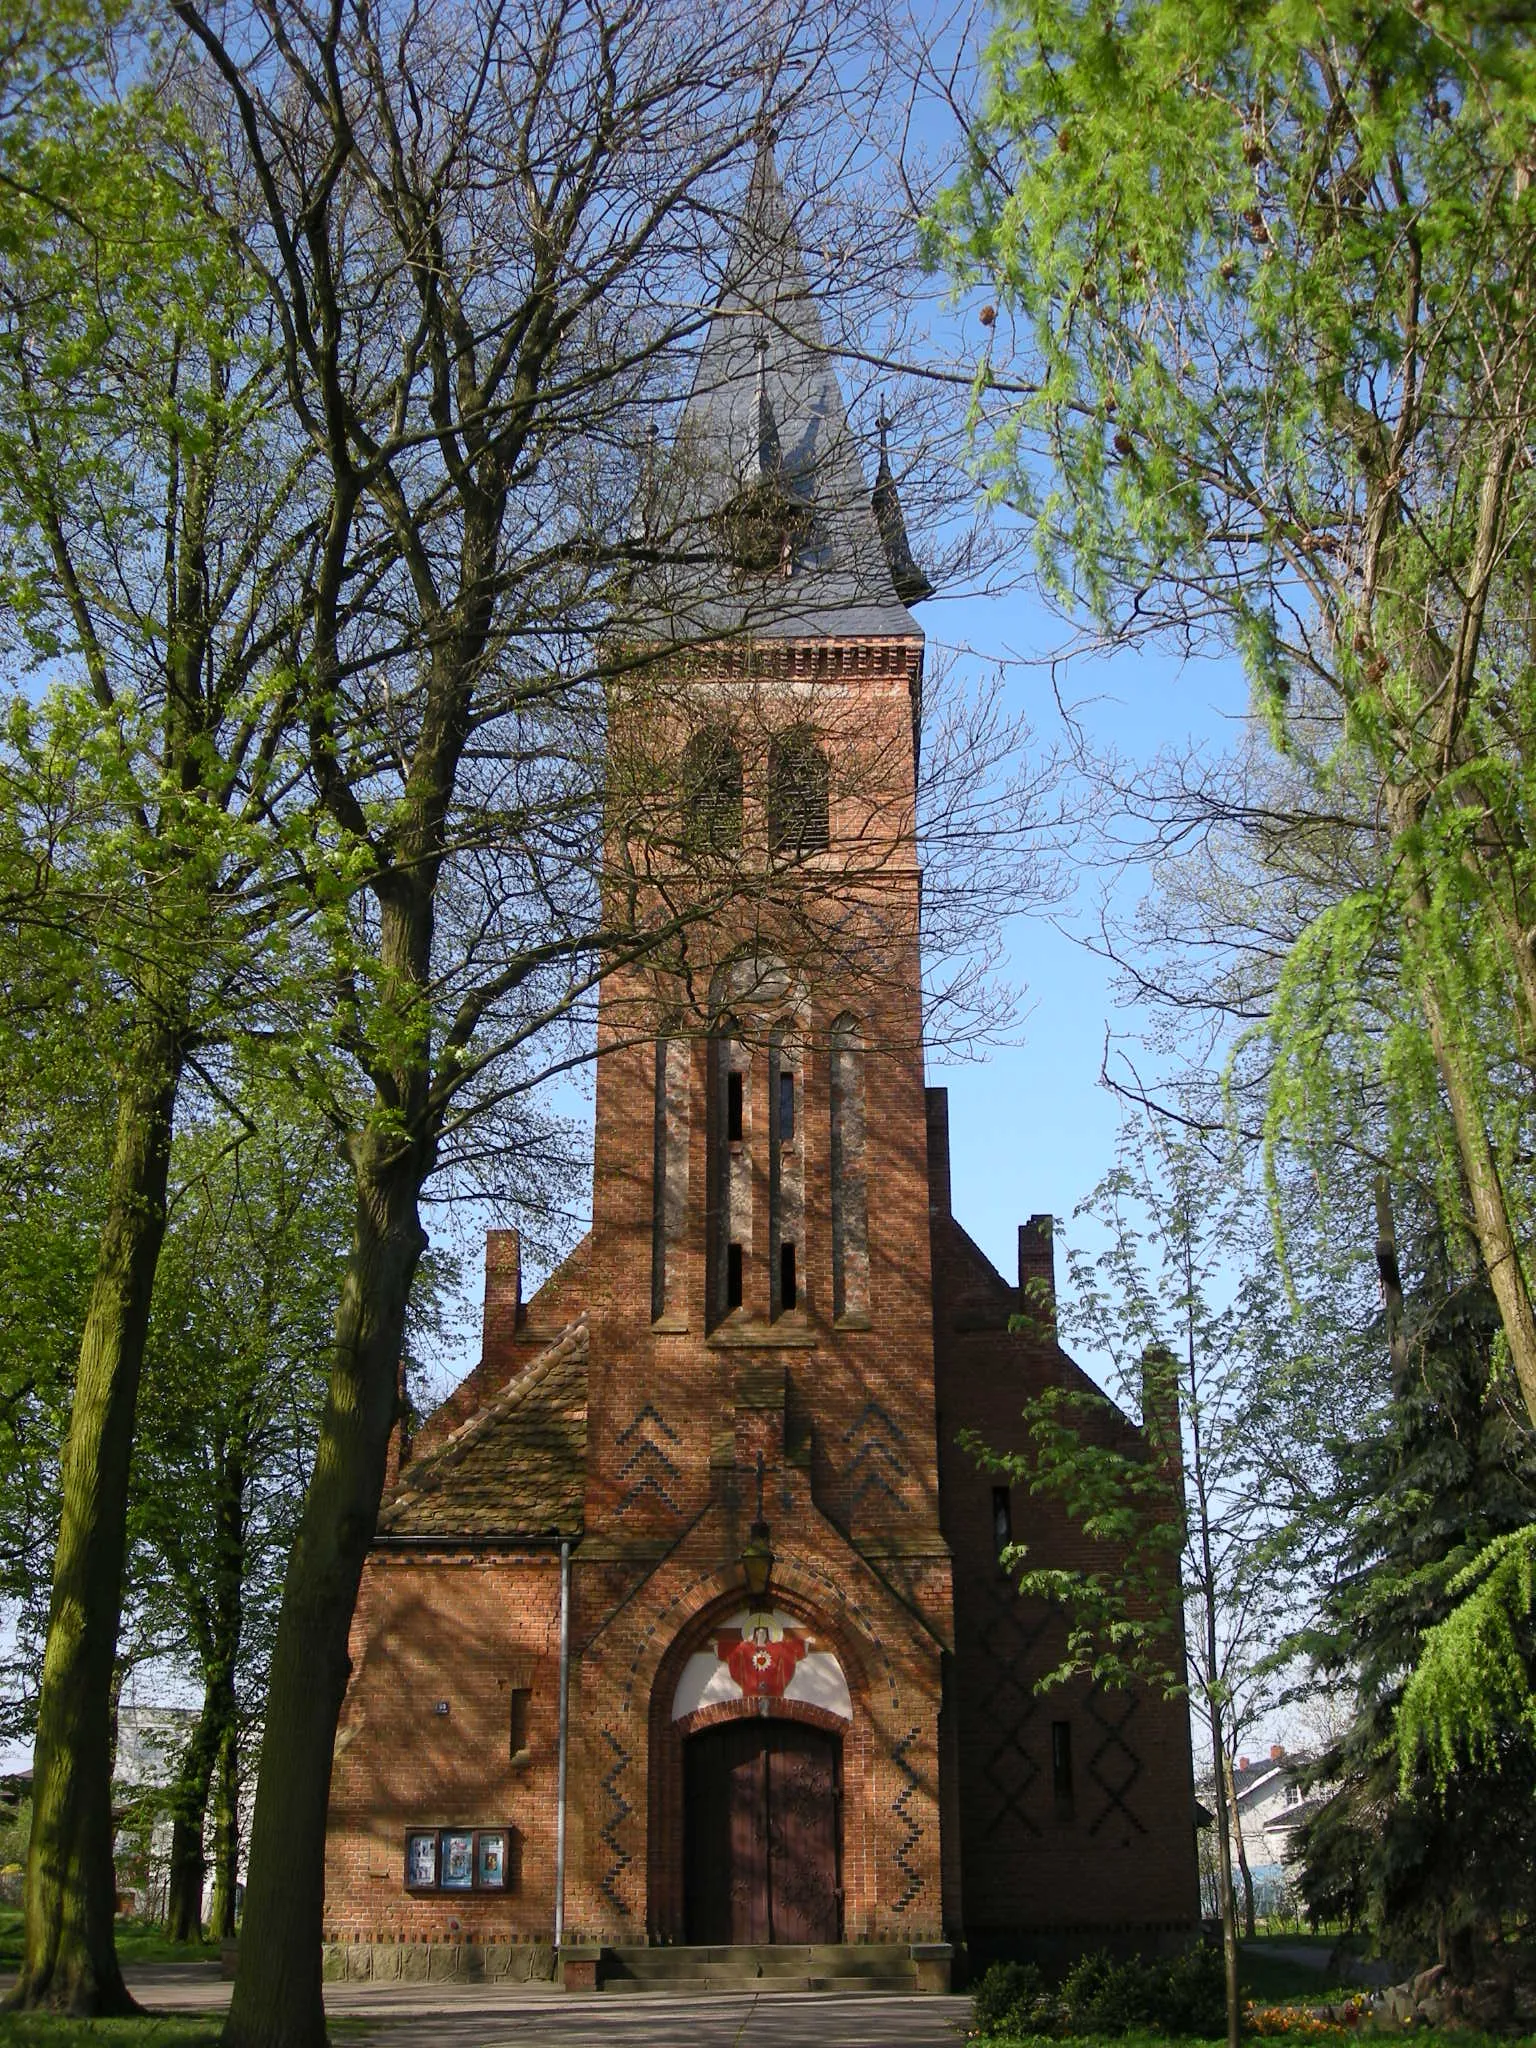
(766, 414)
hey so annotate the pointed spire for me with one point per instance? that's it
(912, 586)
(765, 472)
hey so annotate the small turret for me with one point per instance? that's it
(912, 586)
(770, 456)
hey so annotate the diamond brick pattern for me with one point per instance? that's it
(1113, 1765)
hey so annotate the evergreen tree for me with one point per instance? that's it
(1450, 1466)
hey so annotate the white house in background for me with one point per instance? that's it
(1270, 1806)
(150, 1745)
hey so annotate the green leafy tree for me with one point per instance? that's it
(234, 1376)
(145, 619)
(1262, 376)
(487, 239)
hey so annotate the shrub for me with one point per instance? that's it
(1181, 1995)
(1190, 1992)
(1004, 2001)
(1105, 1997)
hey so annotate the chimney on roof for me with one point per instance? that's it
(1037, 1274)
(1277, 1752)
(1242, 1763)
(503, 1287)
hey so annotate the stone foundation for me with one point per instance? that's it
(419, 1962)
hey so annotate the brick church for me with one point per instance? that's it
(684, 1624)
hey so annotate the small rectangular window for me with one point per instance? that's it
(786, 1106)
(1002, 1518)
(733, 1276)
(521, 1699)
(1061, 1765)
(733, 1108)
(788, 1295)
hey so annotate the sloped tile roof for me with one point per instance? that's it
(515, 1468)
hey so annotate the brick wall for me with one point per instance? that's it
(1121, 1852)
(461, 1630)
(949, 1818)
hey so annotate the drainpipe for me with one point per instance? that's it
(565, 1730)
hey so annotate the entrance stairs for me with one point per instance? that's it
(829, 1966)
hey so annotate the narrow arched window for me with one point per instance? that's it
(711, 791)
(669, 1180)
(799, 785)
(729, 1214)
(787, 1276)
(850, 1227)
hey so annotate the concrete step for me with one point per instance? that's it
(850, 1966)
(764, 1987)
(763, 1955)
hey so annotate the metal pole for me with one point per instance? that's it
(565, 1730)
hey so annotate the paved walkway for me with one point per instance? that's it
(490, 2015)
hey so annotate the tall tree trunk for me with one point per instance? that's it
(277, 2000)
(189, 1817)
(1225, 1888)
(1491, 1222)
(69, 1962)
(1249, 1926)
(1492, 1225)
(226, 1833)
(228, 1619)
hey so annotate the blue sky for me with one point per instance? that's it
(1032, 1128)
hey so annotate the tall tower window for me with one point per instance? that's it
(1002, 1519)
(730, 1171)
(789, 1293)
(710, 792)
(786, 1173)
(669, 1180)
(799, 785)
(850, 1229)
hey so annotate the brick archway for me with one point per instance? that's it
(667, 1919)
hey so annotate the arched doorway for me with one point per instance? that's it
(763, 1826)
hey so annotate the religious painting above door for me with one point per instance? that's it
(762, 1655)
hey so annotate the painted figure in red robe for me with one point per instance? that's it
(759, 1665)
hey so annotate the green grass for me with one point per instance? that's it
(138, 1941)
(1422, 2037)
(148, 2030)
(1272, 1980)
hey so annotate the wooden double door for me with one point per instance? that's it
(763, 1820)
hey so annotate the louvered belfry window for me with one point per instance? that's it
(798, 795)
(711, 791)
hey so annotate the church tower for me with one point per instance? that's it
(761, 1319)
(657, 1647)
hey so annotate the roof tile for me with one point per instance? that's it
(515, 1468)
